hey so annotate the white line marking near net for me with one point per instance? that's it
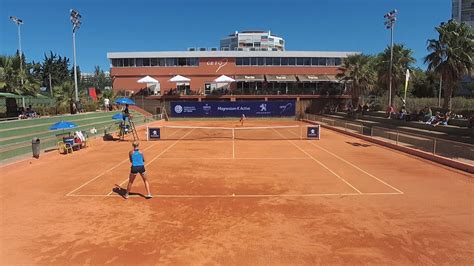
(189, 196)
(358, 168)
(106, 171)
(156, 157)
(323, 165)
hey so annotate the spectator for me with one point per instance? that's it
(390, 111)
(402, 113)
(443, 119)
(106, 104)
(428, 114)
(365, 109)
(435, 118)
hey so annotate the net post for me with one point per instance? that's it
(147, 136)
(301, 132)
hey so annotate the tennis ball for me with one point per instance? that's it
(233, 195)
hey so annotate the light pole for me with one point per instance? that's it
(390, 19)
(19, 22)
(76, 23)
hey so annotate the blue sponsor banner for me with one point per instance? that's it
(233, 109)
(313, 132)
(154, 133)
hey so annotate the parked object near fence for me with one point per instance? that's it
(233, 109)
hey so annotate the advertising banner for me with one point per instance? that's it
(233, 109)
(313, 132)
(154, 133)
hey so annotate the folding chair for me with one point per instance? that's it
(64, 147)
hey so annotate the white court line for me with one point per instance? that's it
(108, 170)
(221, 158)
(323, 165)
(309, 195)
(156, 157)
(356, 167)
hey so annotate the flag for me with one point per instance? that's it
(407, 77)
(93, 94)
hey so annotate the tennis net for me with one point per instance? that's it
(229, 133)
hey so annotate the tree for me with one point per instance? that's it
(423, 84)
(402, 60)
(451, 55)
(359, 70)
(16, 80)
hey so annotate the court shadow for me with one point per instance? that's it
(121, 192)
(356, 144)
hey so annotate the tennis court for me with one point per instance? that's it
(227, 194)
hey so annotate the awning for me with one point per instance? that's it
(281, 78)
(317, 78)
(249, 78)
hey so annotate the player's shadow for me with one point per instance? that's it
(356, 144)
(121, 192)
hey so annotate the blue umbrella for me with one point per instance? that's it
(124, 101)
(62, 125)
(118, 116)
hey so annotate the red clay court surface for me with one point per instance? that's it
(338, 200)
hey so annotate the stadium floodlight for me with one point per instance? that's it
(390, 19)
(76, 24)
(19, 22)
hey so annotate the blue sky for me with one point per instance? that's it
(159, 25)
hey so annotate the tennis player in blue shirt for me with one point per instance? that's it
(138, 167)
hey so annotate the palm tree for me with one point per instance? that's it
(359, 70)
(402, 60)
(451, 55)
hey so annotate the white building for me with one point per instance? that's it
(463, 11)
(252, 41)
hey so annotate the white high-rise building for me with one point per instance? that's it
(252, 41)
(463, 11)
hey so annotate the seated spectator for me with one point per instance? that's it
(402, 113)
(428, 114)
(390, 111)
(434, 119)
(444, 119)
(365, 109)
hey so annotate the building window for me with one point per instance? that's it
(276, 61)
(299, 61)
(154, 61)
(238, 61)
(181, 61)
(246, 61)
(256, 44)
(268, 61)
(321, 61)
(261, 61)
(139, 62)
(331, 62)
(284, 61)
(170, 62)
(307, 61)
(253, 61)
(146, 62)
(161, 62)
(291, 61)
(337, 61)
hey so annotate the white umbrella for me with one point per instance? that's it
(151, 83)
(147, 79)
(179, 79)
(224, 79)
